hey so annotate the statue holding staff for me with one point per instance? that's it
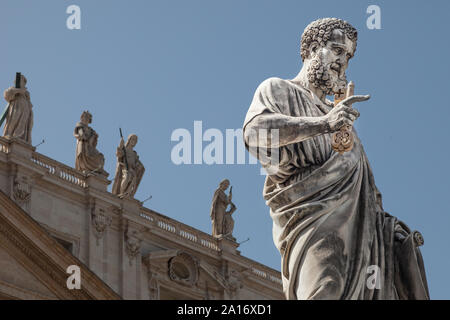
(129, 169)
(222, 222)
(19, 113)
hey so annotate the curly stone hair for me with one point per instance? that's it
(320, 31)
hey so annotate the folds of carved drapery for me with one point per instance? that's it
(328, 220)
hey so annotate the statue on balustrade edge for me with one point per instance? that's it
(335, 239)
(129, 169)
(221, 219)
(19, 113)
(88, 158)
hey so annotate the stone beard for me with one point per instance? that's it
(329, 224)
(320, 76)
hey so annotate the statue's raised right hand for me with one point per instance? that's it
(343, 114)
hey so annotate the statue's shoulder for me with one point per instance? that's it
(272, 95)
(273, 83)
(276, 86)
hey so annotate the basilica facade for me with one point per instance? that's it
(53, 216)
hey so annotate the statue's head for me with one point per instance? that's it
(23, 82)
(326, 47)
(224, 184)
(86, 117)
(132, 140)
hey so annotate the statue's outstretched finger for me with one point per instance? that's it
(353, 99)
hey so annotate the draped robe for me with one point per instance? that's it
(19, 120)
(328, 221)
(217, 213)
(87, 158)
(131, 176)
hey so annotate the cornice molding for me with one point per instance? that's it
(41, 255)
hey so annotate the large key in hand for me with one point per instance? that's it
(342, 140)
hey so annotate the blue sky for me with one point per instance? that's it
(151, 67)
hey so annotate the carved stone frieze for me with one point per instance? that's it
(132, 243)
(21, 192)
(100, 221)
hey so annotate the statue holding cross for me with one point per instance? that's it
(18, 114)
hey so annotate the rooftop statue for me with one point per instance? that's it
(88, 158)
(129, 169)
(19, 113)
(221, 219)
(328, 218)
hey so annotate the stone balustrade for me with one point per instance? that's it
(205, 240)
(60, 170)
(181, 230)
(267, 274)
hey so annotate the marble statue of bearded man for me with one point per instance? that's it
(19, 120)
(335, 240)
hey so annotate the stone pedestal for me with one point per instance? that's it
(97, 181)
(228, 245)
(131, 206)
(19, 148)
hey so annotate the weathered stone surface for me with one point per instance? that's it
(328, 219)
(129, 169)
(137, 252)
(88, 159)
(221, 219)
(19, 119)
(33, 264)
